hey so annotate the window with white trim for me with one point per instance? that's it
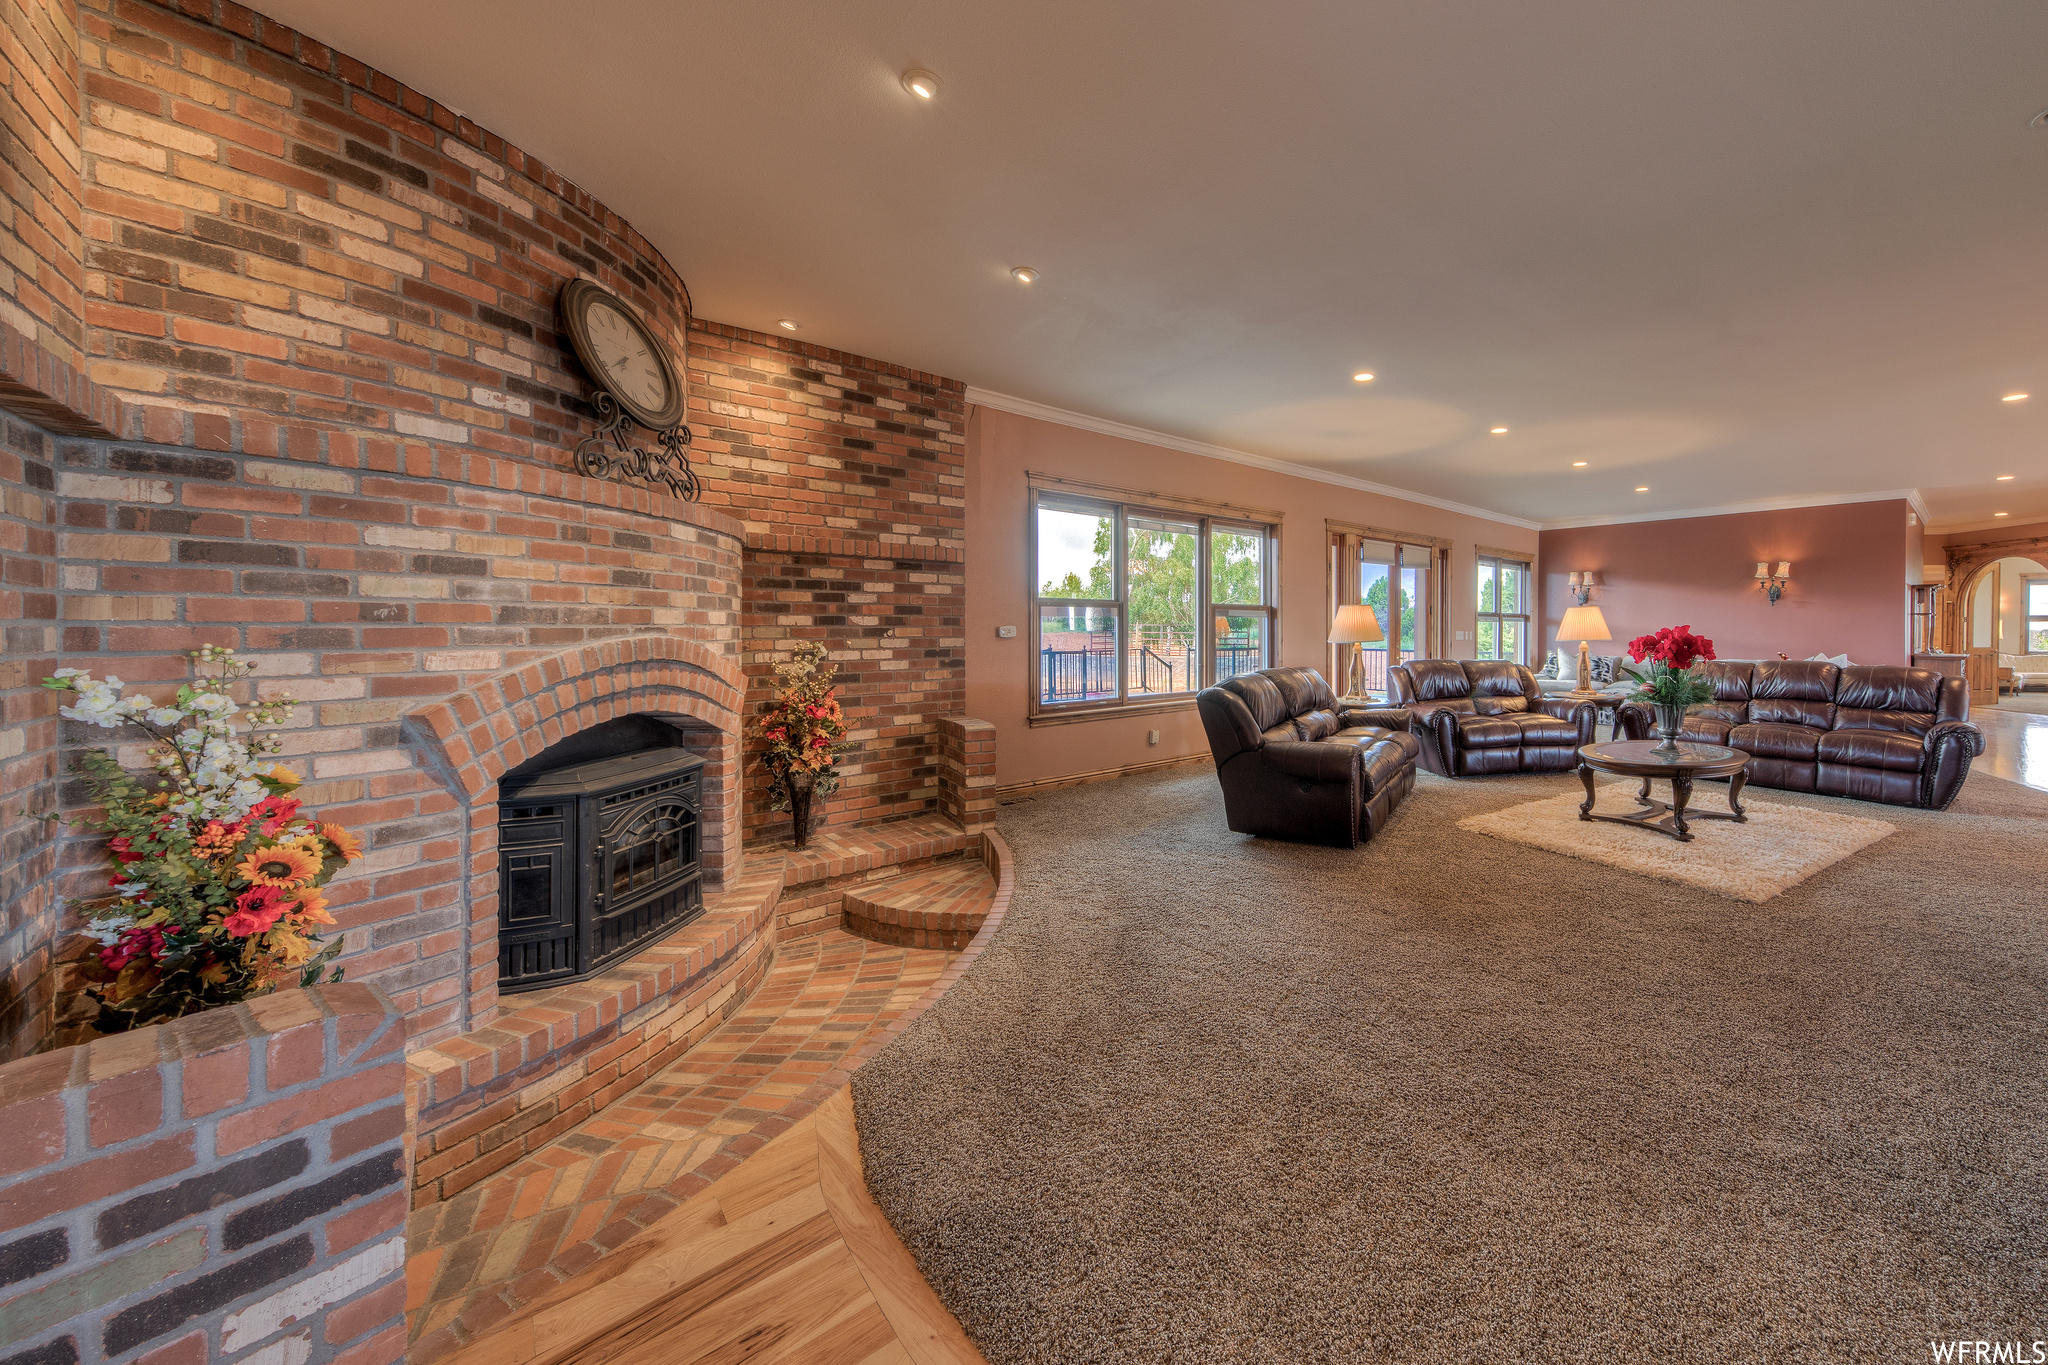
(1137, 606)
(1503, 609)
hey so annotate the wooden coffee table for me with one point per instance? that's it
(1640, 758)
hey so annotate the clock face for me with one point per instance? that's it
(622, 355)
(630, 369)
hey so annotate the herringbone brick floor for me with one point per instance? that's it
(477, 1257)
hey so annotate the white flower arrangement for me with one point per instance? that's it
(211, 771)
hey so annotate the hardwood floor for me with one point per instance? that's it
(784, 1261)
(512, 1237)
(2015, 744)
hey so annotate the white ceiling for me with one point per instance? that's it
(1736, 251)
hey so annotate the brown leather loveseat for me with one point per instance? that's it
(1479, 716)
(1295, 766)
(1877, 733)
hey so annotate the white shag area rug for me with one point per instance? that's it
(1778, 848)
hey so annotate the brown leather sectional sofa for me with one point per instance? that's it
(1483, 717)
(1877, 733)
(1294, 765)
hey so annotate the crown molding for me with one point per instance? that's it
(1910, 496)
(1102, 426)
(1994, 524)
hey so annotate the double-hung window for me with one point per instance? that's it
(2035, 592)
(1138, 606)
(1503, 609)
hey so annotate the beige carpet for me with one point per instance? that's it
(1211, 1099)
(1778, 847)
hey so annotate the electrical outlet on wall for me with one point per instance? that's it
(1006, 632)
(1151, 736)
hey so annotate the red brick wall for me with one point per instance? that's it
(373, 598)
(40, 280)
(229, 1181)
(29, 910)
(848, 475)
(320, 324)
(276, 233)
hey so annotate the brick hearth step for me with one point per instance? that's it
(940, 907)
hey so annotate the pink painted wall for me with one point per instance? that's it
(1002, 446)
(1847, 595)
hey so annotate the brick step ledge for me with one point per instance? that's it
(816, 877)
(941, 907)
(554, 1057)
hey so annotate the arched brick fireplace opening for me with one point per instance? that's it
(472, 738)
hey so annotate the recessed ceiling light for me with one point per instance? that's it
(2002, 478)
(2014, 398)
(922, 84)
(1023, 274)
(1998, 514)
(789, 324)
(1578, 464)
(1362, 377)
(1644, 489)
(1500, 431)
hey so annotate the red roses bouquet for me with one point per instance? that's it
(803, 728)
(1668, 657)
(216, 874)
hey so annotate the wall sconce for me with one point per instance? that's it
(1773, 584)
(1581, 585)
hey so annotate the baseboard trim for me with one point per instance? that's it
(1050, 784)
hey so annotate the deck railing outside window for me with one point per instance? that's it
(1137, 606)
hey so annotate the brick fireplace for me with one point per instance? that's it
(284, 372)
(292, 382)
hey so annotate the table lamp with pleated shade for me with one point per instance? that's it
(1355, 626)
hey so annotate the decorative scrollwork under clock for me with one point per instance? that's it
(638, 383)
(669, 466)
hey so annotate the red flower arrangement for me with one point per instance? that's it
(804, 730)
(1667, 657)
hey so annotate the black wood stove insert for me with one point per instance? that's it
(597, 856)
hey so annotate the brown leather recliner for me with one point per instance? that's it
(1295, 766)
(1874, 732)
(1481, 716)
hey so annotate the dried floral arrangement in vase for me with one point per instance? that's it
(216, 868)
(804, 731)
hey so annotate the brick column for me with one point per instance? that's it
(967, 771)
(230, 1180)
(29, 758)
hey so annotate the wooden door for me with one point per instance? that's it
(1983, 675)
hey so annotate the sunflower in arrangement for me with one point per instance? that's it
(216, 868)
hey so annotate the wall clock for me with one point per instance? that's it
(622, 354)
(637, 381)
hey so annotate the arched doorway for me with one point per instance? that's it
(1995, 604)
(1966, 565)
(1969, 567)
